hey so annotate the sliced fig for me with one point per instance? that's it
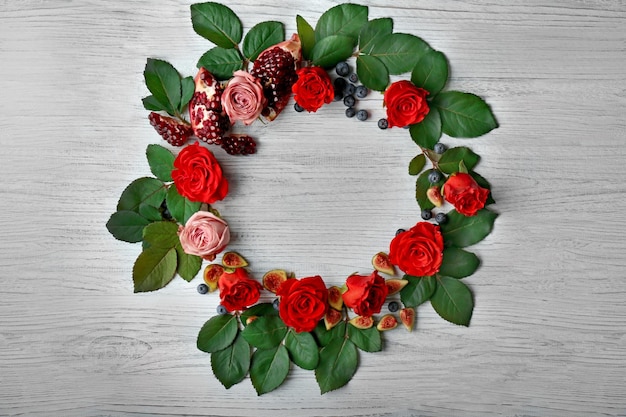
(381, 263)
(395, 285)
(251, 319)
(407, 316)
(233, 260)
(361, 322)
(212, 274)
(332, 318)
(387, 322)
(272, 279)
(334, 298)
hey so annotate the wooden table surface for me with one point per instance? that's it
(323, 194)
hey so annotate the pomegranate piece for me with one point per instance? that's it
(208, 119)
(175, 132)
(239, 145)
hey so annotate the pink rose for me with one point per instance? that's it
(204, 235)
(243, 98)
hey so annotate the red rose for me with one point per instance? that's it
(313, 88)
(462, 191)
(406, 104)
(366, 294)
(237, 290)
(418, 251)
(198, 176)
(303, 302)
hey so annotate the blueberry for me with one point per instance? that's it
(203, 288)
(353, 78)
(350, 112)
(406, 127)
(338, 95)
(221, 309)
(349, 100)
(276, 303)
(434, 177)
(441, 218)
(349, 89)
(393, 306)
(383, 124)
(362, 115)
(361, 91)
(340, 83)
(342, 68)
(427, 214)
(400, 231)
(298, 107)
(166, 215)
(439, 148)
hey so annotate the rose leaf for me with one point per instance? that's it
(338, 363)
(265, 332)
(453, 301)
(427, 132)
(150, 191)
(154, 268)
(464, 115)
(127, 226)
(450, 160)
(328, 51)
(161, 161)
(303, 350)
(269, 368)
(181, 208)
(458, 263)
(344, 20)
(372, 72)
(431, 72)
(217, 23)
(417, 291)
(221, 62)
(218, 333)
(307, 36)
(373, 30)
(367, 340)
(231, 364)
(262, 36)
(462, 231)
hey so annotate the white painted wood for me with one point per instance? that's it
(548, 335)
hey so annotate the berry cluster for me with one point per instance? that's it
(347, 89)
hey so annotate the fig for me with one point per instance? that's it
(434, 196)
(212, 274)
(334, 298)
(387, 322)
(332, 318)
(251, 319)
(407, 316)
(381, 263)
(395, 285)
(361, 322)
(272, 279)
(233, 260)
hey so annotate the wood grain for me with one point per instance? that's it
(323, 194)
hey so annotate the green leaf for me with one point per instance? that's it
(464, 115)
(127, 225)
(328, 51)
(372, 72)
(373, 30)
(368, 340)
(417, 164)
(453, 301)
(188, 265)
(265, 332)
(181, 208)
(269, 368)
(151, 103)
(451, 158)
(480, 180)
(220, 62)
(344, 20)
(231, 364)
(338, 363)
(217, 23)
(163, 81)
(458, 263)
(422, 184)
(262, 36)
(150, 213)
(417, 291)
(427, 132)
(431, 72)
(162, 235)
(307, 36)
(399, 51)
(218, 333)
(188, 87)
(324, 336)
(161, 162)
(154, 268)
(462, 231)
(144, 190)
(302, 349)
(262, 309)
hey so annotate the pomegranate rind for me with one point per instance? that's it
(233, 260)
(387, 322)
(361, 322)
(211, 276)
(272, 279)
(335, 300)
(407, 317)
(381, 263)
(332, 318)
(394, 285)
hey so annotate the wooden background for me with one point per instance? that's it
(323, 194)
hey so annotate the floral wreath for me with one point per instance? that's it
(316, 327)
